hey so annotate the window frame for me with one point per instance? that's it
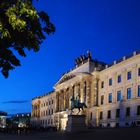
(129, 93)
(119, 78)
(119, 98)
(110, 82)
(109, 114)
(110, 97)
(138, 110)
(138, 71)
(129, 75)
(118, 113)
(128, 111)
(138, 93)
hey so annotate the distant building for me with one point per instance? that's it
(21, 120)
(43, 110)
(3, 119)
(111, 93)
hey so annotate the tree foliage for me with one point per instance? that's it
(21, 27)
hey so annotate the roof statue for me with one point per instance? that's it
(89, 55)
(83, 58)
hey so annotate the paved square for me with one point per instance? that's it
(96, 134)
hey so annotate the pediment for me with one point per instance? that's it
(65, 78)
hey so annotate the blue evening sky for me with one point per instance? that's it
(110, 29)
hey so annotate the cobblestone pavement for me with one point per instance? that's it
(96, 134)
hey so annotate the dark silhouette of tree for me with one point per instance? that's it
(21, 27)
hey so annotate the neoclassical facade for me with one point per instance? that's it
(111, 93)
(43, 110)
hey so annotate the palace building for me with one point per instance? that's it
(111, 93)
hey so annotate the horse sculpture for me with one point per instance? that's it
(75, 103)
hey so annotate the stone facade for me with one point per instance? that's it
(111, 93)
(43, 109)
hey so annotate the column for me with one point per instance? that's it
(64, 99)
(70, 95)
(82, 92)
(79, 94)
(57, 101)
(88, 96)
(134, 81)
(96, 94)
(67, 98)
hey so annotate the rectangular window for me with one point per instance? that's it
(138, 71)
(117, 113)
(129, 93)
(119, 79)
(102, 99)
(101, 115)
(138, 110)
(48, 121)
(129, 75)
(138, 90)
(119, 96)
(109, 114)
(110, 98)
(102, 84)
(127, 111)
(110, 82)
